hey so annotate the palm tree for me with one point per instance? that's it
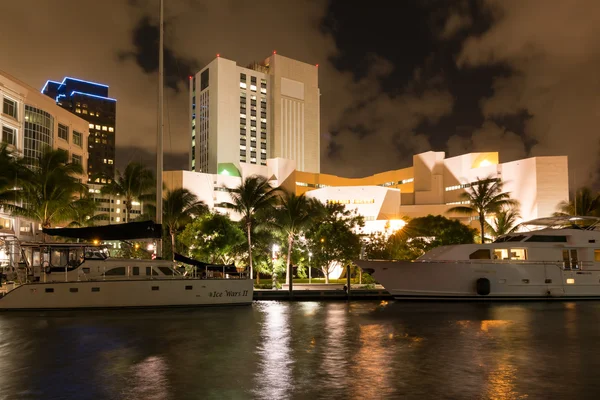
(51, 189)
(504, 222)
(485, 197)
(254, 195)
(12, 169)
(180, 206)
(84, 212)
(135, 183)
(290, 217)
(585, 203)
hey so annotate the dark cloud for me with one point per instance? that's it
(451, 75)
(145, 39)
(172, 160)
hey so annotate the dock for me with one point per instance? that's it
(322, 295)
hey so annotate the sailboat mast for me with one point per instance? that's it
(159, 139)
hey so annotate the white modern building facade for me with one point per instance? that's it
(246, 115)
(432, 185)
(31, 122)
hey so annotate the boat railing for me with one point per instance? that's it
(580, 265)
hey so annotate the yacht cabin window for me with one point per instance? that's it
(597, 255)
(166, 271)
(151, 271)
(481, 254)
(115, 271)
(510, 254)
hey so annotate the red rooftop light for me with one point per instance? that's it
(191, 77)
(218, 55)
(317, 65)
(274, 51)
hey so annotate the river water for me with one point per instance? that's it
(306, 350)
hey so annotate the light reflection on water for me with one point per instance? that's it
(314, 350)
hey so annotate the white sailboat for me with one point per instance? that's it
(549, 258)
(72, 275)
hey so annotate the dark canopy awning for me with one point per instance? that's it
(128, 231)
(229, 269)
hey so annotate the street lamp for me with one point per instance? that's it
(309, 268)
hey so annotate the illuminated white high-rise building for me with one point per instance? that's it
(248, 114)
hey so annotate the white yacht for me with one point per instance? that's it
(74, 275)
(548, 258)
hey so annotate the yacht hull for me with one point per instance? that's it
(458, 280)
(128, 294)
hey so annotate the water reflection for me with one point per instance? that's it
(274, 369)
(149, 380)
(306, 351)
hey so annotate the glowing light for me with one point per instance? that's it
(218, 55)
(190, 76)
(151, 247)
(137, 246)
(570, 281)
(92, 95)
(96, 242)
(46, 85)
(81, 80)
(225, 172)
(484, 163)
(317, 65)
(396, 224)
(274, 51)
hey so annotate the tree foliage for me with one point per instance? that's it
(136, 183)
(180, 206)
(52, 187)
(484, 197)
(585, 202)
(333, 239)
(253, 196)
(504, 221)
(212, 238)
(419, 236)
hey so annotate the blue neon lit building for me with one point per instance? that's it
(90, 101)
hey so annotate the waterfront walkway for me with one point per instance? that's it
(313, 294)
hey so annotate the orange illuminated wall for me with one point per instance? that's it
(396, 179)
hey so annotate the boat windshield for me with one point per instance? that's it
(561, 222)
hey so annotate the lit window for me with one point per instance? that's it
(110, 161)
(85, 111)
(118, 210)
(97, 114)
(92, 114)
(243, 85)
(78, 110)
(253, 88)
(263, 90)
(118, 219)
(98, 127)
(111, 129)
(104, 128)
(105, 161)
(78, 104)
(91, 126)
(570, 281)
(118, 201)
(242, 115)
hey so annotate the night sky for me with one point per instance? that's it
(521, 77)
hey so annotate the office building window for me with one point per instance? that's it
(9, 107)
(77, 139)
(111, 129)
(263, 156)
(263, 83)
(75, 159)
(262, 125)
(8, 135)
(242, 152)
(263, 145)
(253, 123)
(242, 77)
(63, 132)
(91, 126)
(242, 142)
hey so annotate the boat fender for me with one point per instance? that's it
(46, 267)
(483, 286)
